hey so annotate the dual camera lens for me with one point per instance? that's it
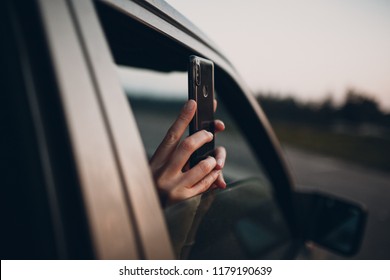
(198, 80)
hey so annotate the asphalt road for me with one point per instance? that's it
(370, 187)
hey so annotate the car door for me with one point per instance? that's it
(85, 185)
(151, 49)
(78, 184)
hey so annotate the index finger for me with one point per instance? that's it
(174, 134)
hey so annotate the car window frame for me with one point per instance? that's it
(110, 217)
(140, 192)
(163, 19)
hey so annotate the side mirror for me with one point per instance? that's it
(331, 222)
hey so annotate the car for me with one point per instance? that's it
(89, 90)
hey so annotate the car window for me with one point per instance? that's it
(156, 99)
(232, 215)
(153, 72)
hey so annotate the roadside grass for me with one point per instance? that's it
(368, 151)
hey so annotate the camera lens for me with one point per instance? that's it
(197, 74)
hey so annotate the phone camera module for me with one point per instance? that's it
(197, 74)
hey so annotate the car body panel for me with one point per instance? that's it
(128, 148)
(104, 198)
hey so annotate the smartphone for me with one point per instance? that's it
(201, 89)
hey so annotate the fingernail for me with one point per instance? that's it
(189, 105)
(212, 159)
(220, 163)
(212, 135)
(221, 122)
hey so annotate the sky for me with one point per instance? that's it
(306, 48)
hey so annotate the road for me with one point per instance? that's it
(370, 187)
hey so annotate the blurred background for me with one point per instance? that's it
(320, 69)
(321, 72)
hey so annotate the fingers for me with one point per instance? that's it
(169, 163)
(203, 168)
(199, 171)
(174, 134)
(204, 184)
(219, 126)
(220, 157)
(187, 147)
(220, 182)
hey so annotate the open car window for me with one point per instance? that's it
(245, 216)
(156, 99)
(242, 221)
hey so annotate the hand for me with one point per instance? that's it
(169, 164)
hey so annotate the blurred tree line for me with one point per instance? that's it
(357, 108)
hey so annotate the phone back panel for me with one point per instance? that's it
(201, 89)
